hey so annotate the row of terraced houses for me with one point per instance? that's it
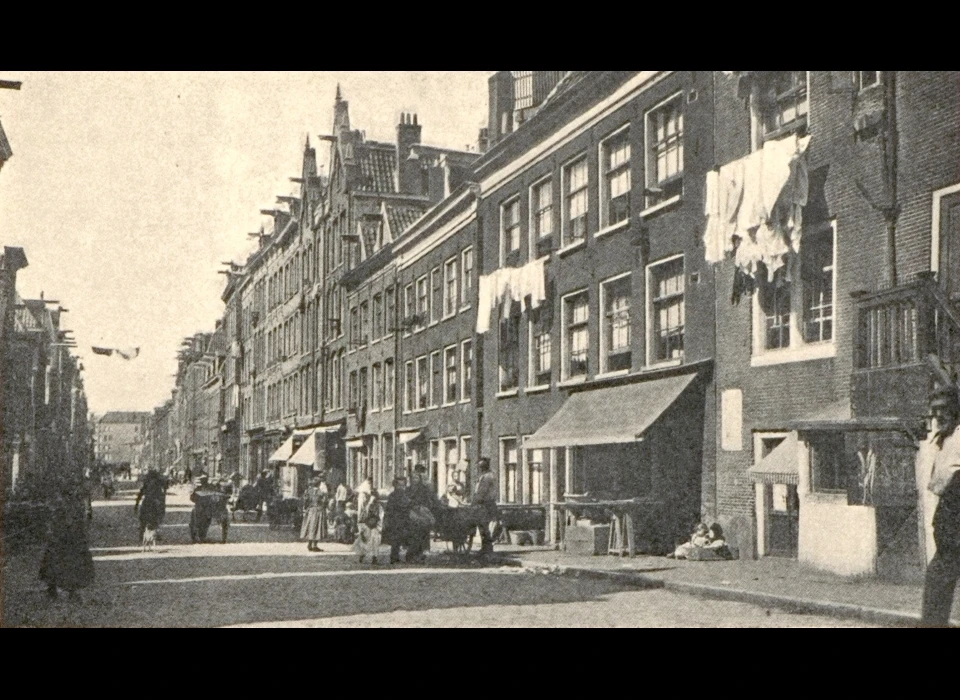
(690, 295)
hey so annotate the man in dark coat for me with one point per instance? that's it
(396, 519)
(209, 502)
(485, 495)
(943, 571)
(423, 501)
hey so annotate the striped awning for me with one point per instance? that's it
(780, 466)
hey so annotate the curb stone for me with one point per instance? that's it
(877, 616)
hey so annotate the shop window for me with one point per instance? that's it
(795, 312)
(509, 457)
(510, 232)
(466, 276)
(451, 458)
(376, 465)
(667, 310)
(664, 126)
(575, 202)
(782, 102)
(541, 215)
(435, 463)
(450, 288)
(466, 368)
(509, 354)
(450, 375)
(387, 443)
(576, 318)
(615, 297)
(537, 464)
(541, 348)
(615, 185)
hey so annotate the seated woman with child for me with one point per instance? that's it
(705, 543)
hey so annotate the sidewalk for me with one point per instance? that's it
(773, 582)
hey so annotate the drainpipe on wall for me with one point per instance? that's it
(890, 150)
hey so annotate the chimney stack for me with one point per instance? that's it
(483, 141)
(408, 171)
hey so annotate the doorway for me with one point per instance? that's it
(783, 520)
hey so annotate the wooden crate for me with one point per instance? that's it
(587, 539)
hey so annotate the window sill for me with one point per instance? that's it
(650, 211)
(566, 250)
(536, 389)
(464, 308)
(433, 323)
(447, 317)
(465, 401)
(663, 364)
(613, 227)
(572, 382)
(508, 394)
(821, 351)
(610, 375)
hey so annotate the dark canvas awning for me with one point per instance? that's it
(618, 414)
(780, 466)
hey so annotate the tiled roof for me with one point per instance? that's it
(125, 417)
(401, 218)
(378, 163)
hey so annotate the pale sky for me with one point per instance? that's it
(127, 191)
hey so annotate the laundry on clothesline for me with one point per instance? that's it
(125, 353)
(507, 285)
(754, 207)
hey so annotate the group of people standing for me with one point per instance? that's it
(405, 520)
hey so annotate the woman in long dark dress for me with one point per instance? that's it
(314, 526)
(67, 563)
(153, 495)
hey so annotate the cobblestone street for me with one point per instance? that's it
(265, 577)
